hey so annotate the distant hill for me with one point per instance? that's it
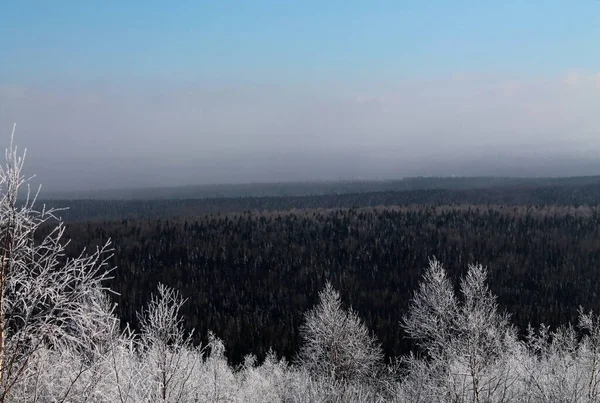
(164, 203)
(317, 188)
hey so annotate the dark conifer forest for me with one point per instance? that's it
(251, 266)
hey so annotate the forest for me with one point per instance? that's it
(249, 277)
(422, 295)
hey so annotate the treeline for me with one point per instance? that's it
(321, 188)
(560, 191)
(250, 277)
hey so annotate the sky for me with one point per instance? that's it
(155, 93)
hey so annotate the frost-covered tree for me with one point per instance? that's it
(166, 347)
(563, 365)
(48, 302)
(262, 383)
(336, 343)
(432, 316)
(469, 344)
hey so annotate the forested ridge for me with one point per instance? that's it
(437, 191)
(250, 276)
(322, 188)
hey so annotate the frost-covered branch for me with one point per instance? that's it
(47, 300)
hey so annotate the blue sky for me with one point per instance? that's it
(294, 41)
(146, 93)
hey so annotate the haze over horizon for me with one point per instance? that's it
(138, 94)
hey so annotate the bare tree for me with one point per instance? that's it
(47, 300)
(336, 342)
(168, 350)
